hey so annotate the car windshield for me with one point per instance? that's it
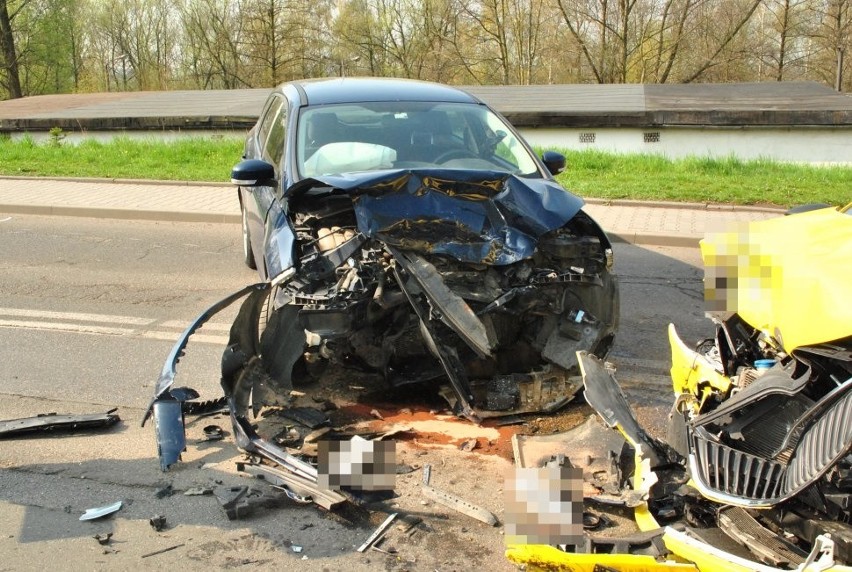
(372, 136)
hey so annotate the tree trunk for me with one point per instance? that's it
(10, 56)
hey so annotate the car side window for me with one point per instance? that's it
(274, 147)
(269, 113)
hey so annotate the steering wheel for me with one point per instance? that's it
(451, 154)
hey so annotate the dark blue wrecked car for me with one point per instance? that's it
(406, 229)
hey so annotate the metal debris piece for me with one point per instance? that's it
(295, 548)
(299, 485)
(459, 504)
(101, 511)
(158, 522)
(213, 433)
(47, 422)
(198, 491)
(307, 416)
(103, 539)
(169, 549)
(427, 474)
(377, 533)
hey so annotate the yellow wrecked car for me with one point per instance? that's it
(756, 469)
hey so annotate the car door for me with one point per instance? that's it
(269, 146)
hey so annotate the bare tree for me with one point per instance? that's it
(213, 32)
(7, 45)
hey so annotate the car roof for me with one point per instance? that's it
(361, 89)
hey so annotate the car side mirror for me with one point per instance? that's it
(555, 162)
(253, 173)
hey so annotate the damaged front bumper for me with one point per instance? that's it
(667, 542)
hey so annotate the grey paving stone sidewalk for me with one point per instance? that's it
(665, 224)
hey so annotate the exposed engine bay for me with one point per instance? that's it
(482, 284)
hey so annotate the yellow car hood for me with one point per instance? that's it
(789, 276)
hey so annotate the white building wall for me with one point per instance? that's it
(797, 144)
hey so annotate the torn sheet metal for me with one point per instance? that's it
(303, 488)
(493, 216)
(53, 422)
(459, 504)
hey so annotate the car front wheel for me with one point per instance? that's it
(248, 255)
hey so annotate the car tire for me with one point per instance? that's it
(248, 255)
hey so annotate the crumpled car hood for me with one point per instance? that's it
(489, 217)
(787, 276)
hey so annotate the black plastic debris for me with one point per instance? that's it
(164, 492)
(240, 502)
(307, 416)
(213, 433)
(158, 522)
(54, 422)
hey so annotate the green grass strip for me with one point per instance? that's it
(589, 173)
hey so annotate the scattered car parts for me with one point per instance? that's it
(756, 470)
(53, 422)
(101, 511)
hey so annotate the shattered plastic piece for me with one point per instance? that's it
(468, 445)
(54, 422)
(198, 491)
(103, 539)
(296, 549)
(100, 512)
(158, 522)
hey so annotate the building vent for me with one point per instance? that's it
(587, 137)
(651, 137)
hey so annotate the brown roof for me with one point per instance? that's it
(586, 105)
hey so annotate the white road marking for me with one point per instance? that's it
(210, 326)
(85, 323)
(65, 327)
(101, 318)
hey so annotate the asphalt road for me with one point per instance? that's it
(88, 311)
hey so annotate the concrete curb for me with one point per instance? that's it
(648, 239)
(594, 201)
(636, 238)
(683, 205)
